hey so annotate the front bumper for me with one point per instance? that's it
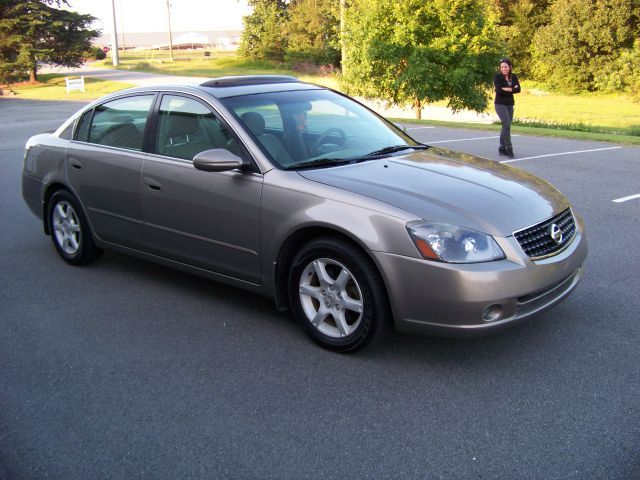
(467, 299)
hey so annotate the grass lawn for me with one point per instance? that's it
(217, 65)
(597, 110)
(592, 116)
(540, 131)
(593, 110)
(52, 86)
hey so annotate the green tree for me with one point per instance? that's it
(519, 20)
(585, 44)
(263, 34)
(34, 31)
(629, 70)
(412, 52)
(312, 32)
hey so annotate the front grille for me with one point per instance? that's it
(538, 242)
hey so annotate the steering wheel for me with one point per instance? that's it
(323, 137)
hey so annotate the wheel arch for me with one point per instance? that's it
(46, 198)
(85, 249)
(292, 245)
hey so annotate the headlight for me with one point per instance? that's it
(453, 244)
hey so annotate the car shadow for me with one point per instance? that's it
(258, 313)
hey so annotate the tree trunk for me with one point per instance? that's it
(33, 74)
(418, 109)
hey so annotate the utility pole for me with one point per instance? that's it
(170, 39)
(124, 44)
(343, 29)
(114, 39)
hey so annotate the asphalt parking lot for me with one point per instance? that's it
(129, 370)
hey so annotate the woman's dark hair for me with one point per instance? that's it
(507, 61)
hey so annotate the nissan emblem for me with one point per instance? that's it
(556, 233)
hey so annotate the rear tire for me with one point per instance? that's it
(69, 230)
(337, 295)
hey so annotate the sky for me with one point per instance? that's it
(151, 15)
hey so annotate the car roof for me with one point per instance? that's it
(233, 86)
(250, 84)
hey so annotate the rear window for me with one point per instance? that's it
(119, 123)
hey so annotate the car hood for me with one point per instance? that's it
(444, 186)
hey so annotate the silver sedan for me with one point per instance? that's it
(300, 193)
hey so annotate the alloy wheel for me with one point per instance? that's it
(331, 298)
(66, 227)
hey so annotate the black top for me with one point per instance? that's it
(502, 97)
(248, 80)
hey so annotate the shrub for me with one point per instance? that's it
(98, 54)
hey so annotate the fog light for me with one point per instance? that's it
(492, 313)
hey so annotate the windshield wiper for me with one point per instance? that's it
(332, 162)
(393, 149)
(319, 162)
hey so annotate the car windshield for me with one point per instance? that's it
(316, 128)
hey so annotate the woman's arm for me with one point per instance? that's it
(516, 84)
(497, 82)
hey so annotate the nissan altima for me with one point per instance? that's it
(299, 193)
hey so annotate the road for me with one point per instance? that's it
(129, 370)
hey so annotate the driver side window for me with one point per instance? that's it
(187, 127)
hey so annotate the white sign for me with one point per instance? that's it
(75, 84)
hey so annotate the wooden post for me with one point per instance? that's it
(343, 29)
(115, 59)
(170, 38)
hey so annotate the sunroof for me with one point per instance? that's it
(249, 80)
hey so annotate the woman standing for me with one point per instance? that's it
(506, 84)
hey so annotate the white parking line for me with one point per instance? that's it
(560, 154)
(626, 199)
(467, 139)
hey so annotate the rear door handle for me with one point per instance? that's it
(152, 184)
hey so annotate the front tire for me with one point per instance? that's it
(70, 230)
(337, 295)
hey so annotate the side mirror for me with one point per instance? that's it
(217, 160)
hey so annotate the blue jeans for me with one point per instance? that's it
(505, 113)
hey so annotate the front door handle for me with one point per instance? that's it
(152, 184)
(75, 164)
